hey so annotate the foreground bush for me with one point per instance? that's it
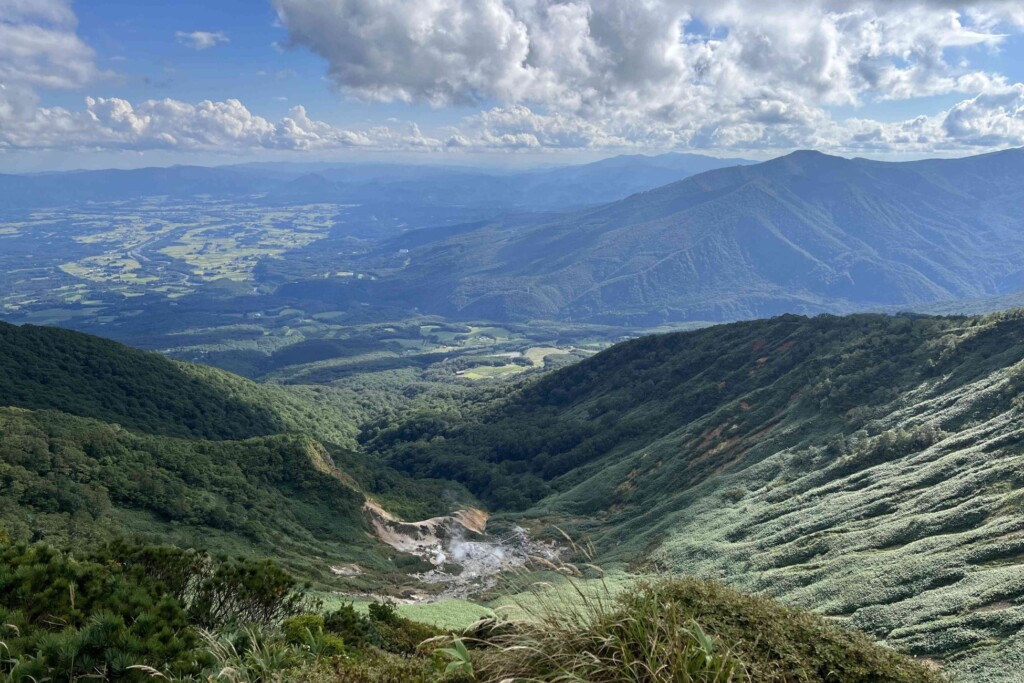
(778, 644)
(104, 615)
(66, 618)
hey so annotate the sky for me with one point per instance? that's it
(104, 83)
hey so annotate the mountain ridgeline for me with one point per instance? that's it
(424, 187)
(804, 233)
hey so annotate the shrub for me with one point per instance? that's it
(127, 610)
(382, 627)
(297, 630)
(75, 618)
(345, 621)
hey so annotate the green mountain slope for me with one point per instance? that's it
(76, 482)
(804, 233)
(52, 368)
(99, 440)
(92, 377)
(866, 467)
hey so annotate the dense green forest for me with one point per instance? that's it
(88, 376)
(75, 481)
(516, 451)
(52, 368)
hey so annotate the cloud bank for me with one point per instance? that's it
(644, 75)
(663, 73)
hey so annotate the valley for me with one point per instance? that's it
(764, 454)
(433, 419)
(512, 341)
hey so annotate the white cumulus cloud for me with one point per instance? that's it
(226, 126)
(39, 46)
(704, 73)
(202, 40)
(644, 75)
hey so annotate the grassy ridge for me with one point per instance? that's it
(682, 630)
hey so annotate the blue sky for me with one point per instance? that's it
(101, 83)
(138, 41)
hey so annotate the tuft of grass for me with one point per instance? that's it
(250, 656)
(672, 630)
(651, 641)
(779, 644)
(583, 631)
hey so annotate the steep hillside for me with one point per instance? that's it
(803, 233)
(867, 467)
(43, 367)
(52, 368)
(99, 440)
(75, 483)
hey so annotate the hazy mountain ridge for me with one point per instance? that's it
(803, 233)
(382, 184)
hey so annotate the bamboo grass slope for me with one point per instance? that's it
(919, 546)
(905, 525)
(866, 467)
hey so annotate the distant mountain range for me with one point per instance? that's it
(388, 185)
(803, 233)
